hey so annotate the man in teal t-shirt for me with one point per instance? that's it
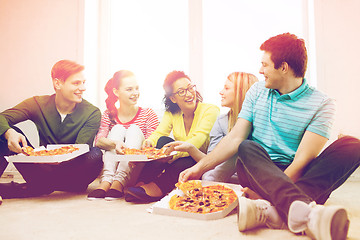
(285, 179)
(61, 118)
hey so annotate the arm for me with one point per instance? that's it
(226, 148)
(163, 129)
(193, 151)
(9, 117)
(90, 128)
(152, 122)
(309, 148)
(204, 120)
(216, 134)
(14, 140)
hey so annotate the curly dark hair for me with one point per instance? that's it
(169, 80)
(287, 48)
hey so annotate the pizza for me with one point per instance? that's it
(149, 152)
(29, 151)
(202, 200)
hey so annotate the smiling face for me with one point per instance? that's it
(273, 77)
(72, 89)
(128, 91)
(188, 101)
(228, 94)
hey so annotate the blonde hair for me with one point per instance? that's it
(242, 82)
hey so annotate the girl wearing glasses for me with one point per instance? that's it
(125, 126)
(232, 96)
(188, 119)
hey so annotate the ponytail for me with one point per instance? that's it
(111, 99)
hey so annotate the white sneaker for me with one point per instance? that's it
(257, 213)
(318, 221)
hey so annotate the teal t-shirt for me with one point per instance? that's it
(280, 121)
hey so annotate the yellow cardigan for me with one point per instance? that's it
(204, 118)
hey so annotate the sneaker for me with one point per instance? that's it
(97, 194)
(257, 213)
(318, 221)
(113, 194)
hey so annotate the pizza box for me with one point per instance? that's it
(162, 207)
(22, 158)
(111, 155)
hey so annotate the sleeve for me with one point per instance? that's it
(324, 118)
(19, 113)
(200, 134)
(104, 126)
(152, 122)
(216, 134)
(163, 129)
(204, 126)
(90, 128)
(248, 104)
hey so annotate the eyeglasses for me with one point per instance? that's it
(182, 92)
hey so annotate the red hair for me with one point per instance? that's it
(64, 69)
(114, 82)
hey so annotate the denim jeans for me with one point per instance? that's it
(320, 178)
(72, 175)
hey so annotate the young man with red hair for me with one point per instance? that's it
(62, 118)
(285, 174)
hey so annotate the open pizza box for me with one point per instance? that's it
(162, 207)
(22, 158)
(111, 155)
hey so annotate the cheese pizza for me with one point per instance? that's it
(29, 151)
(200, 199)
(149, 152)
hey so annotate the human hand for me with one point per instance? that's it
(146, 144)
(192, 173)
(248, 193)
(119, 146)
(180, 146)
(14, 140)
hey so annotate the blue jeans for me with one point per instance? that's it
(320, 178)
(73, 175)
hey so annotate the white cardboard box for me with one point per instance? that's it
(162, 207)
(110, 155)
(83, 148)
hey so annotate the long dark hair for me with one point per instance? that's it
(114, 82)
(169, 80)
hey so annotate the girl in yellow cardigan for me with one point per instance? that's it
(189, 120)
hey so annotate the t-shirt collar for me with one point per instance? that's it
(293, 94)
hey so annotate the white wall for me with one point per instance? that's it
(337, 41)
(34, 35)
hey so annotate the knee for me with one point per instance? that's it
(94, 157)
(244, 147)
(184, 163)
(163, 140)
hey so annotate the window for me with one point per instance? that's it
(233, 31)
(152, 38)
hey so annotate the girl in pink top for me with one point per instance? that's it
(125, 126)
